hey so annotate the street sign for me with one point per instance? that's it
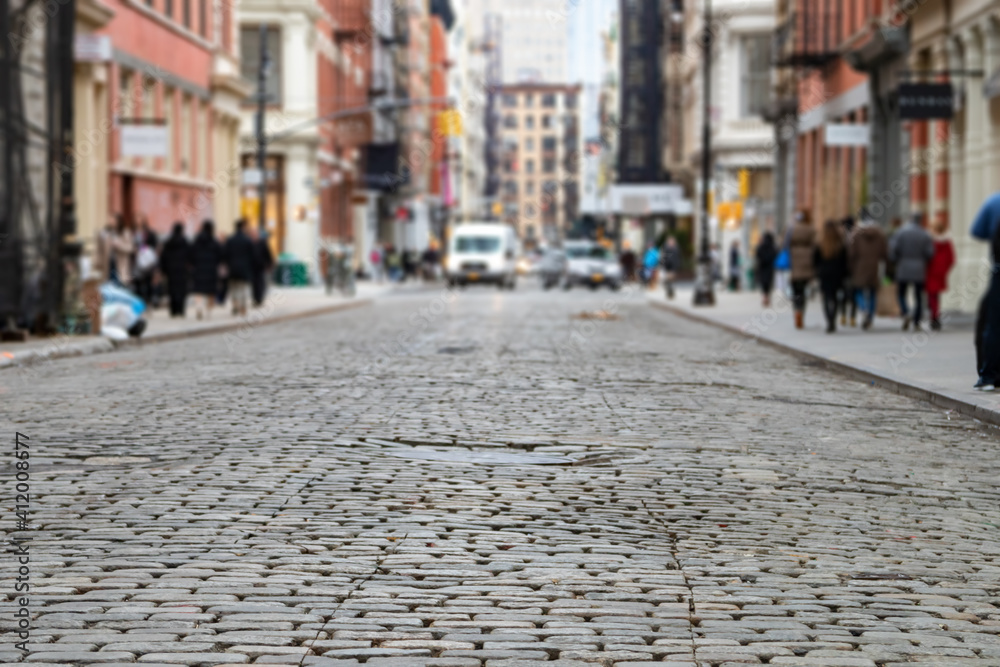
(646, 199)
(847, 134)
(744, 183)
(924, 101)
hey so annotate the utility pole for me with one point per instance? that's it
(265, 65)
(704, 294)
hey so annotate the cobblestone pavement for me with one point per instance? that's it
(486, 481)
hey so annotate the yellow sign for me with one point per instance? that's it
(250, 209)
(730, 210)
(497, 208)
(744, 178)
(450, 123)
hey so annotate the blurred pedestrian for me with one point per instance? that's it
(429, 262)
(146, 260)
(735, 266)
(766, 254)
(937, 272)
(263, 264)
(802, 253)
(393, 264)
(671, 261)
(849, 302)
(986, 227)
(831, 268)
(628, 262)
(206, 259)
(122, 251)
(103, 257)
(239, 253)
(910, 249)
(175, 260)
(715, 262)
(375, 258)
(868, 250)
(650, 261)
(409, 259)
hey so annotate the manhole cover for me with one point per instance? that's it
(457, 349)
(488, 458)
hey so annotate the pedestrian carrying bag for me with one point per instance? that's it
(784, 260)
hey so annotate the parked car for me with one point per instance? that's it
(551, 267)
(483, 253)
(591, 264)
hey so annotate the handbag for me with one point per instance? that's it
(784, 260)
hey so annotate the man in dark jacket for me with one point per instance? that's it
(671, 260)
(986, 227)
(910, 249)
(175, 258)
(206, 256)
(239, 256)
(263, 262)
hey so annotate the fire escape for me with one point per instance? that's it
(36, 169)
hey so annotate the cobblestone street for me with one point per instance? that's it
(484, 479)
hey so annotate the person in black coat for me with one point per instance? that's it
(174, 263)
(206, 257)
(263, 262)
(766, 254)
(240, 256)
(831, 267)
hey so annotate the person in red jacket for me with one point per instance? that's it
(937, 273)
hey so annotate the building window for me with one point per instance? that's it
(549, 144)
(755, 77)
(250, 59)
(529, 144)
(510, 121)
(549, 100)
(186, 13)
(529, 122)
(203, 17)
(546, 121)
(570, 100)
(529, 166)
(509, 101)
(168, 8)
(168, 117)
(529, 100)
(549, 165)
(511, 187)
(529, 188)
(186, 121)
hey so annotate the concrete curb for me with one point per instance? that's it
(60, 349)
(939, 399)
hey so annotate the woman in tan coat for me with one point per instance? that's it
(802, 252)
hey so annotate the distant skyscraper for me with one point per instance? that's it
(534, 38)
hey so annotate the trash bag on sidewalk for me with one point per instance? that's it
(121, 313)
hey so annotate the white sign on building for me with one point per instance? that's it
(89, 48)
(145, 140)
(847, 134)
(650, 199)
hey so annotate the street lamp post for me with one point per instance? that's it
(265, 65)
(704, 294)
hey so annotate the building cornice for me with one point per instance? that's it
(93, 14)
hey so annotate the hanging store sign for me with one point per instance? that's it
(145, 140)
(925, 101)
(646, 199)
(90, 48)
(847, 134)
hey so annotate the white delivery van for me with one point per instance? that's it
(483, 252)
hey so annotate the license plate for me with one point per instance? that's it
(597, 277)
(473, 276)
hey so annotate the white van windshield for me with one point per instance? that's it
(483, 244)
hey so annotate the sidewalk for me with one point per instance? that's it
(938, 367)
(280, 305)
